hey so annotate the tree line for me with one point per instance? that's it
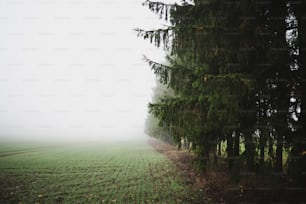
(234, 85)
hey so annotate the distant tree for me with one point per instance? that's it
(153, 127)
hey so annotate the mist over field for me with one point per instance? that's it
(152, 101)
(73, 70)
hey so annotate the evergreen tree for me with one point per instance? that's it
(236, 77)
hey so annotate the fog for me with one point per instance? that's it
(73, 69)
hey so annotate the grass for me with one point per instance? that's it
(123, 172)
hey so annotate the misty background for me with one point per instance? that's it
(73, 69)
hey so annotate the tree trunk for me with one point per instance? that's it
(236, 154)
(271, 154)
(237, 145)
(249, 150)
(215, 154)
(279, 154)
(230, 151)
(262, 144)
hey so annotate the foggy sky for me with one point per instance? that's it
(73, 69)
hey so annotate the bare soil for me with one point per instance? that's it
(204, 188)
(216, 185)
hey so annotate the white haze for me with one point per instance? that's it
(73, 69)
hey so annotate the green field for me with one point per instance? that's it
(122, 172)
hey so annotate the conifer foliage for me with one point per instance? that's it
(237, 73)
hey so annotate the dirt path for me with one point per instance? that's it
(215, 186)
(203, 188)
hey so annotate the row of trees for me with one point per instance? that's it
(235, 76)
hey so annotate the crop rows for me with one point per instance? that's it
(113, 173)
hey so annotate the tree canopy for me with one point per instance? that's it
(236, 69)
